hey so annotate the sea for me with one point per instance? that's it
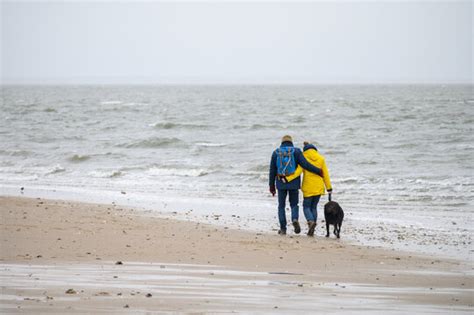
(400, 157)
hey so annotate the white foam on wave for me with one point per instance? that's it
(134, 104)
(79, 158)
(348, 180)
(188, 172)
(56, 169)
(106, 173)
(210, 144)
(152, 142)
(111, 102)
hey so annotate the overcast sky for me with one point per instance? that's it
(311, 42)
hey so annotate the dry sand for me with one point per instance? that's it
(50, 246)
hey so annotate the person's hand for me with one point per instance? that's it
(272, 190)
(283, 178)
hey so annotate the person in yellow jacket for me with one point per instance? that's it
(313, 185)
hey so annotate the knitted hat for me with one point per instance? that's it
(308, 146)
(286, 138)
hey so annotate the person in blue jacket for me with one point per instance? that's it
(288, 188)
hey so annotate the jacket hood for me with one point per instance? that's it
(309, 146)
(311, 153)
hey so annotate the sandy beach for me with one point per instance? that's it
(143, 143)
(117, 259)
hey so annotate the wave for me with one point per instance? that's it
(413, 184)
(335, 152)
(172, 125)
(401, 118)
(56, 169)
(260, 126)
(79, 158)
(75, 137)
(111, 102)
(182, 172)
(15, 152)
(364, 116)
(210, 144)
(400, 146)
(154, 142)
(135, 104)
(106, 173)
(249, 176)
(450, 141)
(299, 119)
(366, 162)
(259, 168)
(348, 180)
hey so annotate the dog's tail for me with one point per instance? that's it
(329, 196)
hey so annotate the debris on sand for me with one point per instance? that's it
(119, 263)
(71, 291)
(149, 295)
(103, 293)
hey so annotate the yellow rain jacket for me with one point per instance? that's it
(313, 185)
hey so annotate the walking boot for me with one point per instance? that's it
(311, 227)
(297, 227)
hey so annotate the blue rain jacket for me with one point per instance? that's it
(300, 160)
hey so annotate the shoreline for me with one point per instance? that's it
(360, 228)
(55, 233)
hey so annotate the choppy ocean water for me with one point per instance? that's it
(400, 156)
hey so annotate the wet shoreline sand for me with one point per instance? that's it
(50, 246)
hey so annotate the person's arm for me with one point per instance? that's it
(326, 178)
(306, 165)
(272, 174)
(295, 175)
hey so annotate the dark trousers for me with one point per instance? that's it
(310, 207)
(293, 196)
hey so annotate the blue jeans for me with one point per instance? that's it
(293, 196)
(310, 208)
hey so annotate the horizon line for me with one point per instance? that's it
(231, 83)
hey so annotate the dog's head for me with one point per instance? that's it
(332, 207)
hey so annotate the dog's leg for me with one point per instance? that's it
(335, 229)
(327, 229)
(339, 230)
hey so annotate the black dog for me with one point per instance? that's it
(333, 214)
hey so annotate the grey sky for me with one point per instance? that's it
(319, 42)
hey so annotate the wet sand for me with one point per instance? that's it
(50, 246)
